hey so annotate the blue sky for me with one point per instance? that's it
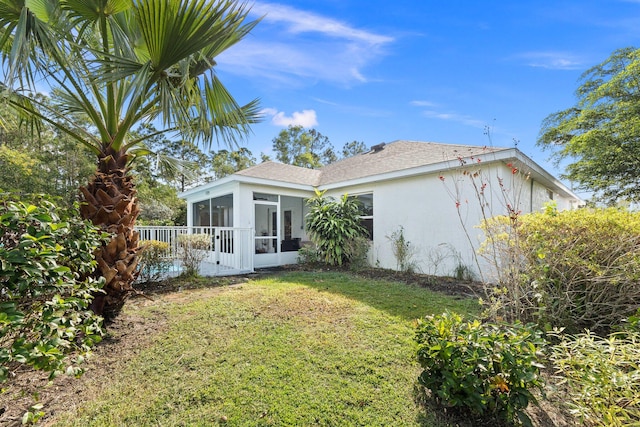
(378, 71)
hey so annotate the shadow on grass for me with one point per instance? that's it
(182, 282)
(398, 299)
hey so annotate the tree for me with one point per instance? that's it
(264, 158)
(601, 133)
(179, 163)
(306, 148)
(46, 163)
(159, 203)
(352, 148)
(226, 162)
(120, 63)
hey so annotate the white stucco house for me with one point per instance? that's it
(438, 193)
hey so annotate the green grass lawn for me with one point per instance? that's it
(297, 349)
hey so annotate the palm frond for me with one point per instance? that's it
(25, 120)
(33, 109)
(226, 119)
(123, 62)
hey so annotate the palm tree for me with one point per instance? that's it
(122, 63)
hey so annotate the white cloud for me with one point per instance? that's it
(304, 118)
(454, 117)
(300, 21)
(290, 43)
(448, 116)
(552, 60)
(422, 103)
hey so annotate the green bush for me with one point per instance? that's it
(154, 261)
(358, 248)
(603, 377)
(573, 269)
(333, 226)
(488, 369)
(45, 290)
(633, 322)
(192, 250)
(308, 254)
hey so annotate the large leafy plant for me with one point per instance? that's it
(45, 287)
(334, 226)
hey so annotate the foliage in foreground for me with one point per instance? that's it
(45, 292)
(488, 369)
(603, 377)
(574, 269)
(334, 226)
(119, 64)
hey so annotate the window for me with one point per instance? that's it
(366, 212)
(215, 212)
(265, 197)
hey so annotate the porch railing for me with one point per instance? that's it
(230, 249)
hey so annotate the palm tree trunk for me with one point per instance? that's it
(110, 203)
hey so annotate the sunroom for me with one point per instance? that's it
(275, 215)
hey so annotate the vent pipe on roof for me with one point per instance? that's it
(378, 147)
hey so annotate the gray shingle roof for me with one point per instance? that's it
(398, 156)
(395, 156)
(281, 172)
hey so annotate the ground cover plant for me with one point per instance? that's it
(303, 348)
(603, 375)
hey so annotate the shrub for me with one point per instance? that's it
(485, 368)
(603, 376)
(309, 254)
(359, 249)
(333, 225)
(633, 322)
(45, 289)
(192, 250)
(403, 251)
(154, 261)
(574, 269)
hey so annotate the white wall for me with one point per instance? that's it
(440, 213)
